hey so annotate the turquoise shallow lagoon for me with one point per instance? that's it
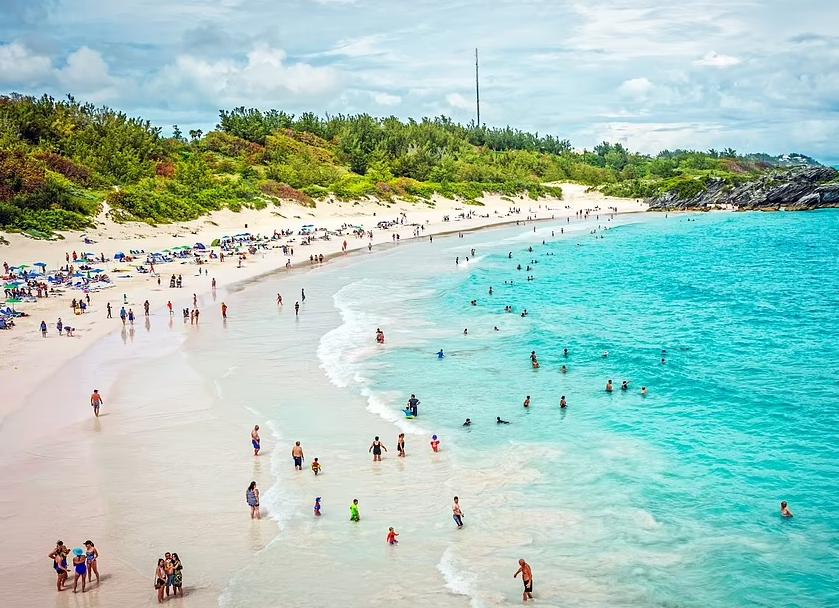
(666, 500)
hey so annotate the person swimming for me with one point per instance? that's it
(468, 422)
(785, 510)
(562, 402)
(526, 403)
(624, 386)
(563, 369)
(609, 386)
(644, 391)
(564, 352)
(499, 421)
(466, 332)
(440, 354)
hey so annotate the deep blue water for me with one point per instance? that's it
(670, 499)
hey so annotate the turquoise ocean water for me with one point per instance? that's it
(666, 500)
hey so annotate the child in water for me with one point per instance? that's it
(316, 508)
(435, 443)
(391, 536)
(315, 466)
(354, 516)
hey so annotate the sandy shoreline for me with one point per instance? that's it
(46, 442)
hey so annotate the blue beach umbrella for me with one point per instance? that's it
(41, 264)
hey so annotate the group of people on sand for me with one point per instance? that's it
(168, 577)
(83, 561)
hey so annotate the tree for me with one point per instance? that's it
(177, 135)
(195, 134)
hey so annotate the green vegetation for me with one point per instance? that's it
(60, 159)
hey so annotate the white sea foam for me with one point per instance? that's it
(458, 580)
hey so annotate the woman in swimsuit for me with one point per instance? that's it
(80, 568)
(160, 580)
(92, 554)
(59, 558)
(252, 498)
(178, 580)
(377, 448)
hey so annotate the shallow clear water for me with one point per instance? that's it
(669, 499)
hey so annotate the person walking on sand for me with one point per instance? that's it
(297, 455)
(96, 402)
(255, 440)
(376, 447)
(527, 579)
(108, 307)
(252, 498)
(457, 513)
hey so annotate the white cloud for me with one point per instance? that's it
(458, 101)
(21, 66)
(636, 87)
(386, 99)
(86, 73)
(264, 77)
(364, 46)
(713, 59)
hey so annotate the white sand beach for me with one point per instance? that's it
(165, 467)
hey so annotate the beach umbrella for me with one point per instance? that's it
(41, 264)
(22, 266)
(12, 284)
(14, 301)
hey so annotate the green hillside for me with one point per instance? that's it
(60, 159)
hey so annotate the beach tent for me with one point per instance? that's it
(119, 255)
(199, 246)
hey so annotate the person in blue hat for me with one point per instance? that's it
(79, 568)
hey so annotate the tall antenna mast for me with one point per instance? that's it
(477, 91)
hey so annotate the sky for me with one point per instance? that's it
(754, 75)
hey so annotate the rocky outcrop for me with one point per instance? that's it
(794, 189)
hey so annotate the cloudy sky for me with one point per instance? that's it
(756, 75)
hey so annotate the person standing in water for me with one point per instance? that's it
(609, 386)
(255, 440)
(297, 455)
(302, 295)
(223, 310)
(296, 308)
(354, 515)
(785, 510)
(526, 403)
(252, 498)
(527, 579)
(400, 445)
(457, 513)
(391, 536)
(376, 448)
(96, 401)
